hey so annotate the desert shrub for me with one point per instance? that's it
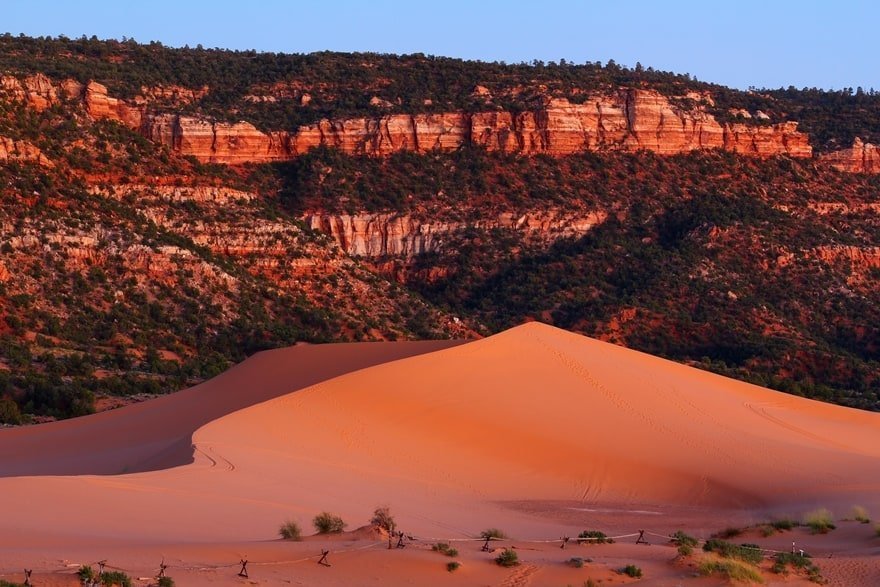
(819, 521)
(327, 523)
(576, 562)
(383, 519)
(110, 578)
(445, 549)
(784, 524)
(86, 574)
(165, 582)
(290, 531)
(507, 558)
(746, 552)
(685, 543)
(860, 514)
(632, 571)
(729, 532)
(800, 562)
(594, 537)
(731, 569)
(492, 534)
(590, 583)
(452, 566)
(4, 583)
(877, 529)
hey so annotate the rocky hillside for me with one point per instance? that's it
(167, 211)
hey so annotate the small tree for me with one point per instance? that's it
(327, 523)
(383, 519)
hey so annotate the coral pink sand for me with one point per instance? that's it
(536, 430)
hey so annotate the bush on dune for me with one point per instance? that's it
(327, 523)
(290, 530)
(819, 521)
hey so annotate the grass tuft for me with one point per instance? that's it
(731, 569)
(800, 562)
(819, 521)
(860, 514)
(453, 566)
(290, 530)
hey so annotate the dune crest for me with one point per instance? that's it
(541, 413)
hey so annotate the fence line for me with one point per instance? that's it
(669, 538)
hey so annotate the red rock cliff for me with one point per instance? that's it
(860, 158)
(622, 120)
(628, 120)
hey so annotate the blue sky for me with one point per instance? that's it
(739, 43)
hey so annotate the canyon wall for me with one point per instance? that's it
(627, 120)
(621, 120)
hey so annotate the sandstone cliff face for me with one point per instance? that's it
(627, 120)
(22, 151)
(402, 235)
(860, 158)
(37, 90)
(623, 120)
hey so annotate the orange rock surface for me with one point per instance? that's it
(860, 158)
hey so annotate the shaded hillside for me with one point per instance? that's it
(763, 270)
(126, 270)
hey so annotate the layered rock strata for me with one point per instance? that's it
(860, 158)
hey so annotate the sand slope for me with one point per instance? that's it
(449, 439)
(540, 413)
(157, 434)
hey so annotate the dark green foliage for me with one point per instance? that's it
(327, 523)
(729, 532)
(507, 558)
(632, 571)
(594, 537)
(452, 566)
(576, 562)
(86, 574)
(750, 553)
(801, 563)
(165, 582)
(5, 583)
(117, 578)
(684, 542)
(9, 412)
(444, 548)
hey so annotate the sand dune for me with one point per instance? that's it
(540, 413)
(515, 430)
(157, 434)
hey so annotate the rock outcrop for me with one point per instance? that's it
(860, 158)
(628, 120)
(402, 235)
(622, 120)
(22, 151)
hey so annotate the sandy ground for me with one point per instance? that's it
(537, 431)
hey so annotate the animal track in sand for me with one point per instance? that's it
(520, 577)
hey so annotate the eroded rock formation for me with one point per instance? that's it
(860, 158)
(402, 235)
